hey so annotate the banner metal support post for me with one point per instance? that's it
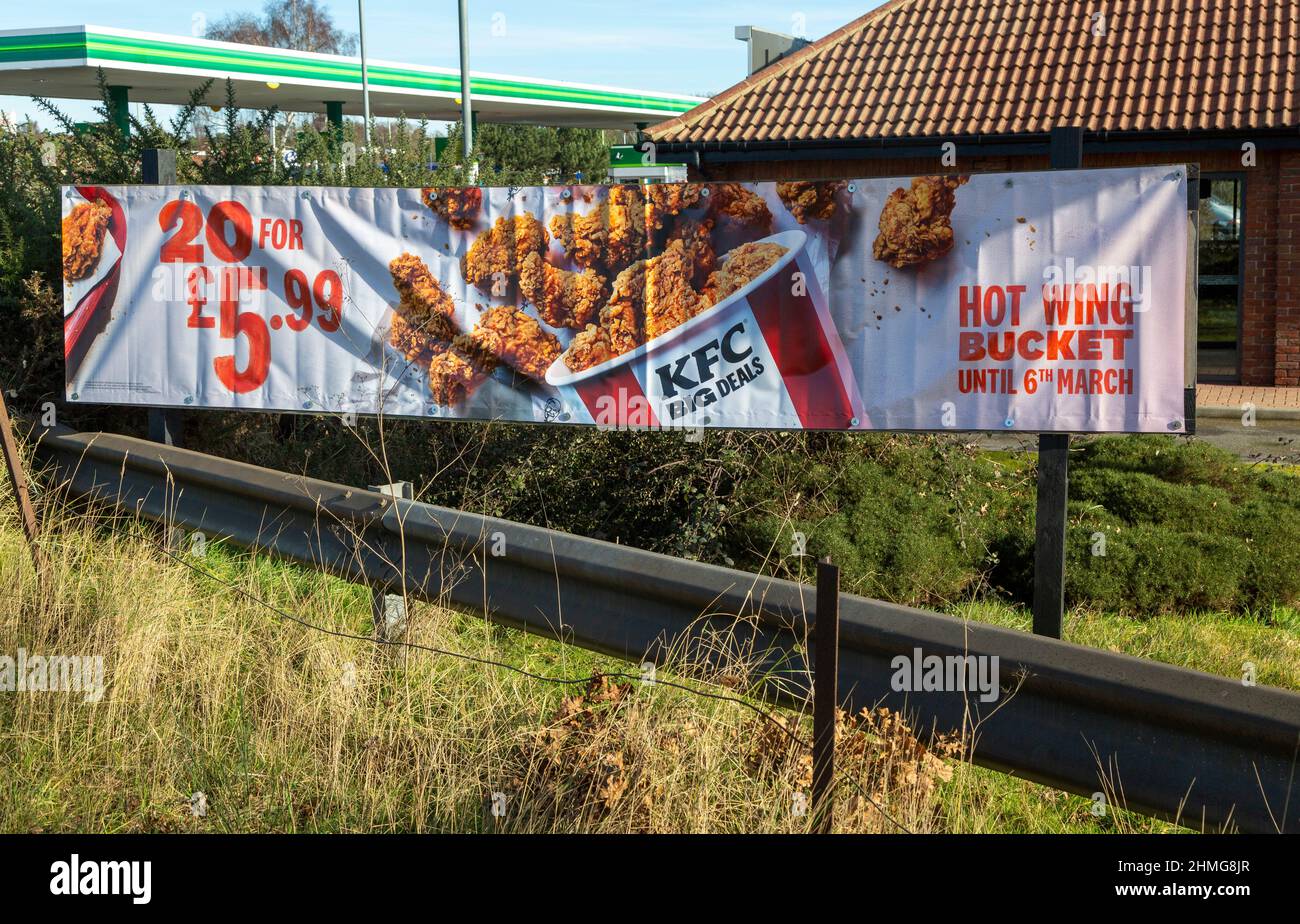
(1191, 300)
(158, 168)
(1066, 146)
(826, 668)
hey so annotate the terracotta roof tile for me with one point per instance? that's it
(914, 68)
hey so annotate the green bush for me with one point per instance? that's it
(907, 519)
(1171, 459)
(1206, 530)
(1146, 570)
(1137, 497)
(1182, 525)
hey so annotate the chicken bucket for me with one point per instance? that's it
(766, 356)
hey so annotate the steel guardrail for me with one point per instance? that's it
(1159, 739)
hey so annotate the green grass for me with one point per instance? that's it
(211, 692)
(1215, 643)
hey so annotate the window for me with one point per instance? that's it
(1218, 331)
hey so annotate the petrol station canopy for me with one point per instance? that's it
(62, 63)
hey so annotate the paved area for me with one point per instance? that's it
(1268, 440)
(1234, 396)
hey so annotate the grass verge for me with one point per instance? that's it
(284, 728)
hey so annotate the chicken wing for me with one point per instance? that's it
(611, 236)
(739, 206)
(810, 199)
(670, 299)
(590, 347)
(916, 223)
(496, 256)
(697, 239)
(562, 298)
(457, 205)
(740, 267)
(517, 340)
(83, 238)
(422, 298)
(457, 369)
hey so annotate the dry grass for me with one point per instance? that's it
(283, 728)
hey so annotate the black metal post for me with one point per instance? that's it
(826, 668)
(158, 168)
(1053, 464)
(1049, 533)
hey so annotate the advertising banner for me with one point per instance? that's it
(1048, 301)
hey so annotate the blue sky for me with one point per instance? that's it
(674, 45)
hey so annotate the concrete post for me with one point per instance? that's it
(389, 610)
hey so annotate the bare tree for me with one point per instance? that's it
(303, 25)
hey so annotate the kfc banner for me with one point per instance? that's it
(1024, 301)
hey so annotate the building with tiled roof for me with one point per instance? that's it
(1209, 82)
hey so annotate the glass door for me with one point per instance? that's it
(1218, 332)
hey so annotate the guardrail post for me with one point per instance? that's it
(158, 168)
(1053, 464)
(389, 610)
(826, 668)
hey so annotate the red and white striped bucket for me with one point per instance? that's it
(768, 356)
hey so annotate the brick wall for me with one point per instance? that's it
(1288, 269)
(1270, 304)
(1259, 288)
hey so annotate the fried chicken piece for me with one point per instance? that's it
(563, 298)
(457, 369)
(810, 199)
(916, 223)
(623, 317)
(696, 238)
(503, 249)
(666, 200)
(424, 330)
(457, 205)
(590, 347)
(422, 298)
(532, 277)
(580, 249)
(419, 341)
(739, 205)
(517, 340)
(83, 238)
(670, 300)
(424, 323)
(649, 298)
(739, 267)
(611, 236)
(627, 233)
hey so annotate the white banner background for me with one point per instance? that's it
(899, 328)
